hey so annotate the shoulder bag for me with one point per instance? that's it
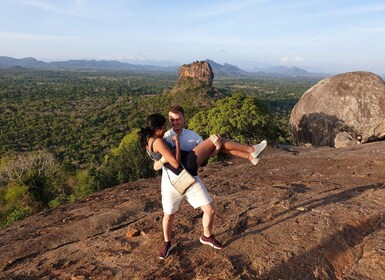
(183, 181)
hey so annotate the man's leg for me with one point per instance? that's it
(167, 231)
(168, 220)
(207, 221)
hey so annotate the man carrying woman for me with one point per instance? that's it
(181, 147)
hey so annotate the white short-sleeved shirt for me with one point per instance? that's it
(188, 139)
(197, 194)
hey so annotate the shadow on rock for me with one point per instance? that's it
(333, 258)
(319, 129)
(308, 206)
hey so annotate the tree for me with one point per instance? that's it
(127, 162)
(39, 171)
(29, 183)
(240, 118)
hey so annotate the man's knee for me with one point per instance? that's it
(208, 210)
(168, 217)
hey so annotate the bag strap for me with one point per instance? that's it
(169, 179)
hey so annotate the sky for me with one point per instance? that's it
(330, 36)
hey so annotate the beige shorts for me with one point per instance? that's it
(197, 195)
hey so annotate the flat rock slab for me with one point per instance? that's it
(301, 213)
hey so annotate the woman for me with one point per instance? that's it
(151, 137)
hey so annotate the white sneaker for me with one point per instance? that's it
(258, 149)
(255, 161)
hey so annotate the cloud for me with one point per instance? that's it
(298, 59)
(228, 7)
(291, 60)
(40, 5)
(34, 37)
(378, 29)
(76, 8)
(364, 9)
(284, 60)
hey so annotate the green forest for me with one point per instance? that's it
(67, 134)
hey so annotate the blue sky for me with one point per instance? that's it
(317, 35)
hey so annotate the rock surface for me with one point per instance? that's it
(301, 213)
(198, 72)
(351, 102)
(344, 139)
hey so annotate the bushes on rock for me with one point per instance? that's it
(127, 162)
(240, 118)
(29, 181)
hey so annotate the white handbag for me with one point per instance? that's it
(183, 181)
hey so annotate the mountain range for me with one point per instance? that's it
(111, 65)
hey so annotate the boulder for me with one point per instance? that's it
(344, 139)
(352, 102)
(198, 72)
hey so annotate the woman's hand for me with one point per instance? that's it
(175, 138)
(217, 141)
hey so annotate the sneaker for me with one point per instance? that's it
(255, 161)
(258, 149)
(165, 250)
(211, 241)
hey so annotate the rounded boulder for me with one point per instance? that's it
(352, 102)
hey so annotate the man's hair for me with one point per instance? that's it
(177, 109)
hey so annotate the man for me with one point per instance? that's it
(197, 195)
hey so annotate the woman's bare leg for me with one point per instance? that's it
(229, 146)
(238, 153)
(204, 150)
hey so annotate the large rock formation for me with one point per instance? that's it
(351, 102)
(199, 73)
(194, 88)
(301, 213)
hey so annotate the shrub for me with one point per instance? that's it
(127, 162)
(38, 171)
(17, 195)
(240, 118)
(18, 214)
(57, 201)
(85, 184)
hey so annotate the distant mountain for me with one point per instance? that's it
(112, 65)
(285, 71)
(28, 62)
(7, 62)
(225, 69)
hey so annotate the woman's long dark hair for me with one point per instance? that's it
(154, 122)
